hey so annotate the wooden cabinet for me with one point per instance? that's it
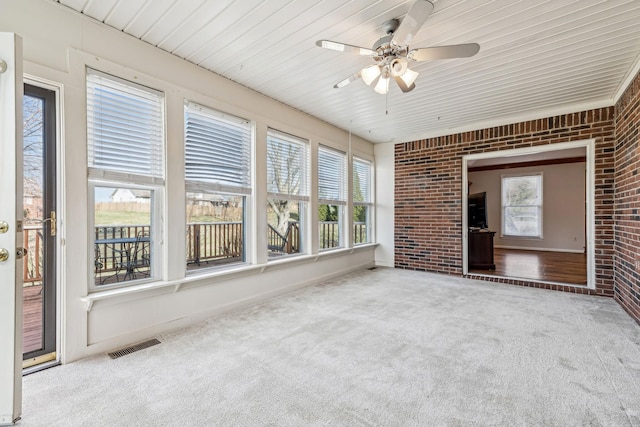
(481, 250)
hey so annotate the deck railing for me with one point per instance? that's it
(205, 242)
(360, 233)
(32, 260)
(213, 241)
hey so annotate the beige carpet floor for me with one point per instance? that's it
(375, 348)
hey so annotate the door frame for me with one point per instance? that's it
(589, 145)
(61, 233)
(11, 93)
(52, 312)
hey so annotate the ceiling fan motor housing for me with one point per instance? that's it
(384, 49)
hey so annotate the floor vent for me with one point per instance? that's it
(133, 348)
(372, 268)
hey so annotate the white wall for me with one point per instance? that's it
(563, 201)
(58, 45)
(385, 184)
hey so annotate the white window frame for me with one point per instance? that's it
(340, 198)
(540, 206)
(242, 189)
(368, 199)
(112, 177)
(302, 194)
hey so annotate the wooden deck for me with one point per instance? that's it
(32, 318)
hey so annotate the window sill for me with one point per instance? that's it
(508, 236)
(228, 273)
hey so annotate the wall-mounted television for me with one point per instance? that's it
(477, 204)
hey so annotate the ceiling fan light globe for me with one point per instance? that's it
(398, 67)
(409, 77)
(369, 74)
(382, 87)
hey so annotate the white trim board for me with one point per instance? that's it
(520, 248)
(589, 144)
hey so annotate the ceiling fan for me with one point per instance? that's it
(392, 55)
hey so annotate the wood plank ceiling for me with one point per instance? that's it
(537, 57)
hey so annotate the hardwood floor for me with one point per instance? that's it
(559, 267)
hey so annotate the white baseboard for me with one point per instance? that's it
(522, 248)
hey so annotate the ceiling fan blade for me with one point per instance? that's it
(444, 52)
(418, 13)
(346, 81)
(403, 86)
(341, 47)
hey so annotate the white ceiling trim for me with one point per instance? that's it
(627, 81)
(508, 120)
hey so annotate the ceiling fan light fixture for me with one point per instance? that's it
(369, 74)
(398, 67)
(383, 85)
(409, 77)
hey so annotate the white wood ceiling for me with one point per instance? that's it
(537, 57)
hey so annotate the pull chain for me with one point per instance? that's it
(386, 103)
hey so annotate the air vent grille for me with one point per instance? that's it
(133, 348)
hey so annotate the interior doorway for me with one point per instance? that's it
(39, 226)
(555, 243)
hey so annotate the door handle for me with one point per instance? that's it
(51, 219)
(4, 254)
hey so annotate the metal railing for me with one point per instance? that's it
(108, 258)
(330, 238)
(360, 233)
(329, 234)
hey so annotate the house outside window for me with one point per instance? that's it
(125, 141)
(522, 205)
(218, 184)
(362, 201)
(332, 197)
(287, 193)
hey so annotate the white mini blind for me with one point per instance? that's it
(287, 171)
(361, 180)
(125, 128)
(217, 150)
(332, 173)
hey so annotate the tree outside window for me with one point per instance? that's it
(288, 192)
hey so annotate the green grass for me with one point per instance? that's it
(122, 218)
(143, 218)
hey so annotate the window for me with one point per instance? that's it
(332, 196)
(218, 182)
(288, 192)
(125, 136)
(361, 201)
(522, 206)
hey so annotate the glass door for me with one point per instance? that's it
(39, 230)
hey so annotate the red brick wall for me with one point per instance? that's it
(627, 200)
(428, 182)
